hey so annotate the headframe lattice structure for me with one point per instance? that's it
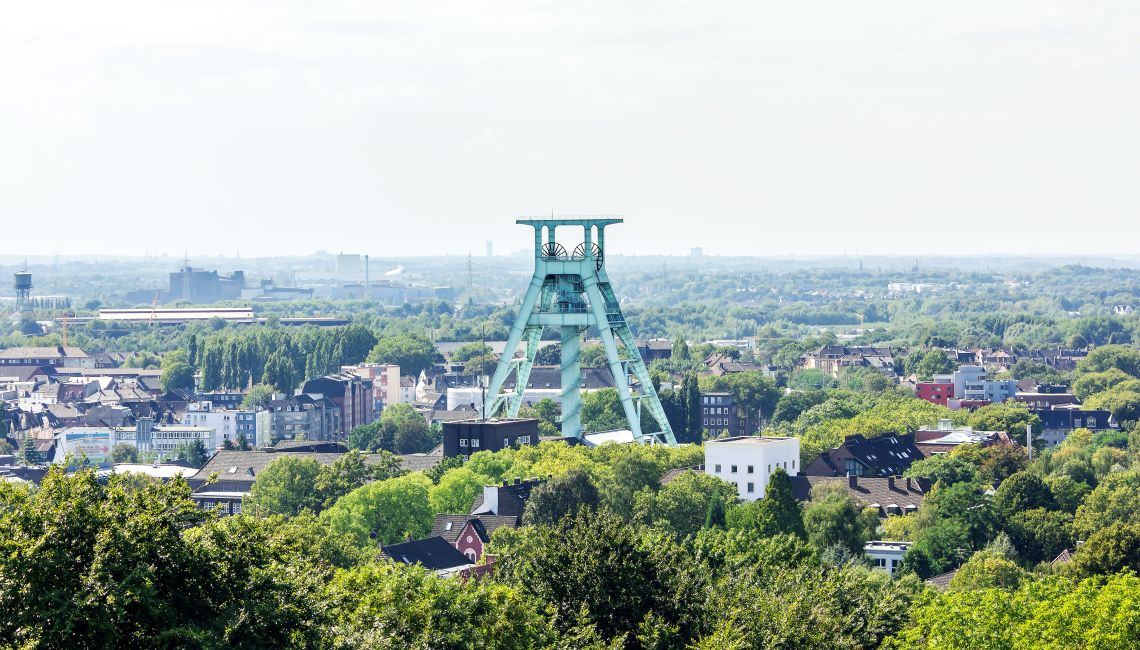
(571, 291)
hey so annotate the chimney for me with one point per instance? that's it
(890, 482)
(852, 480)
(518, 480)
(908, 484)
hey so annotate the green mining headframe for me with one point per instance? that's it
(571, 291)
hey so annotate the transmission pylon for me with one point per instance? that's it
(571, 291)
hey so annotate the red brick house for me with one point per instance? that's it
(469, 534)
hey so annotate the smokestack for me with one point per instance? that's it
(367, 282)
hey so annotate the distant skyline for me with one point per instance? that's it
(271, 128)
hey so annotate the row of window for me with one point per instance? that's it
(716, 410)
(733, 469)
(712, 400)
(474, 442)
(716, 422)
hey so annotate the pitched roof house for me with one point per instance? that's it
(432, 553)
(888, 495)
(886, 455)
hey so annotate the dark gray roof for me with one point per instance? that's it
(894, 495)
(886, 455)
(25, 373)
(456, 415)
(419, 462)
(247, 465)
(433, 553)
(45, 352)
(292, 446)
(551, 377)
(488, 523)
(677, 471)
(942, 580)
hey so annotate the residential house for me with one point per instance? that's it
(654, 349)
(720, 364)
(469, 534)
(1058, 423)
(888, 496)
(433, 553)
(507, 500)
(834, 359)
(886, 455)
(229, 475)
(56, 357)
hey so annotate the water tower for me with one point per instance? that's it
(23, 288)
(571, 292)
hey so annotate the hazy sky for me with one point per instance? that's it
(747, 127)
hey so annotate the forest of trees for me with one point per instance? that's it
(608, 557)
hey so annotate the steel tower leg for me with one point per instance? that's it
(505, 365)
(636, 363)
(571, 381)
(522, 375)
(600, 308)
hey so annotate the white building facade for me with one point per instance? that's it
(228, 424)
(748, 461)
(885, 556)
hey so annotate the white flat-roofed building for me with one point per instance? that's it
(886, 556)
(168, 315)
(748, 461)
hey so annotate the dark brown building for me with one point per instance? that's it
(352, 394)
(466, 437)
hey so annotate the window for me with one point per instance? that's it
(705, 410)
(751, 487)
(466, 457)
(880, 562)
(463, 442)
(751, 470)
(237, 507)
(769, 469)
(734, 469)
(475, 442)
(716, 469)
